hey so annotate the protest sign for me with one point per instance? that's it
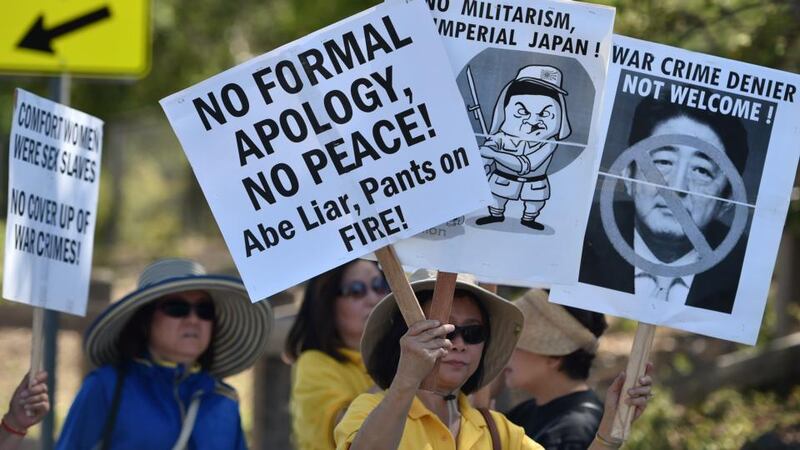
(695, 181)
(54, 175)
(331, 147)
(531, 74)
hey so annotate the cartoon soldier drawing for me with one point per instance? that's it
(529, 118)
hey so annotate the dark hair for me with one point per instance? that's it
(651, 112)
(529, 88)
(386, 354)
(134, 339)
(577, 364)
(314, 327)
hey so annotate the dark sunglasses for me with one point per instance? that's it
(179, 308)
(472, 334)
(359, 289)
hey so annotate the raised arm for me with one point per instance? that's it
(637, 396)
(420, 347)
(27, 407)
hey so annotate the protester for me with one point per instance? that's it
(162, 352)
(27, 407)
(473, 349)
(551, 363)
(324, 342)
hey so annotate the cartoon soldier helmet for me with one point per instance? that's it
(532, 79)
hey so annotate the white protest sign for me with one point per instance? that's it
(53, 182)
(695, 181)
(332, 146)
(531, 74)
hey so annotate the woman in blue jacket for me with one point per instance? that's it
(162, 352)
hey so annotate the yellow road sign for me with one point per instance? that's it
(85, 37)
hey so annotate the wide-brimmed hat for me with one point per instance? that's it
(549, 329)
(505, 322)
(241, 327)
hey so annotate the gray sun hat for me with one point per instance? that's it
(505, 322)
(241, 327)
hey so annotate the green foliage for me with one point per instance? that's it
(618, 325)
(726, 420)
(760, 32)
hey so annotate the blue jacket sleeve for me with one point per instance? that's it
(87, 415)
(241, 441)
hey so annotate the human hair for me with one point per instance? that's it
(577, 364)
(528, 88)
(134, 340)
(314, 326)
(650, 112)
(382, 364)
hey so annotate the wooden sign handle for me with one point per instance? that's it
(37, 344)
(401, 288)
(640, 353)
(482, 398)
(441, 304)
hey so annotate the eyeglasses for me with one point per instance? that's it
(359, 289)
(472, 334)
(179, 308)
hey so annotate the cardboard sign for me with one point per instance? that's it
(531, 75)
(54, 175)
(695, 181)
(332, 146)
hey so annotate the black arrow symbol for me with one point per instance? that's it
(38, 37)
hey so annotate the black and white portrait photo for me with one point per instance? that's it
(649, 224)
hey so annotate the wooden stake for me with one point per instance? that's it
(637, 363)
(37, 343)
(401, 288)
(441, 304)
(482, 398)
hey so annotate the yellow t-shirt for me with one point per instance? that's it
(424, 431)
(321, 387)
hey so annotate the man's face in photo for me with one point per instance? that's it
(684, 168)
(532, 117)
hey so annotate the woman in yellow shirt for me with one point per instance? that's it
(472, 350)
(328, 372)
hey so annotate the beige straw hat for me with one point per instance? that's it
(241, 327)
(549, 329)
(505, 322)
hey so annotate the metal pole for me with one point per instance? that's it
(59, 92)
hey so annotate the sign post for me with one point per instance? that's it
(637, 364)
(406, 299)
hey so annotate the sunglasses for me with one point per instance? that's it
(359, 289)
(179, 308)
(472, 334)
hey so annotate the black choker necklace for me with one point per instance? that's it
(447, 397)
